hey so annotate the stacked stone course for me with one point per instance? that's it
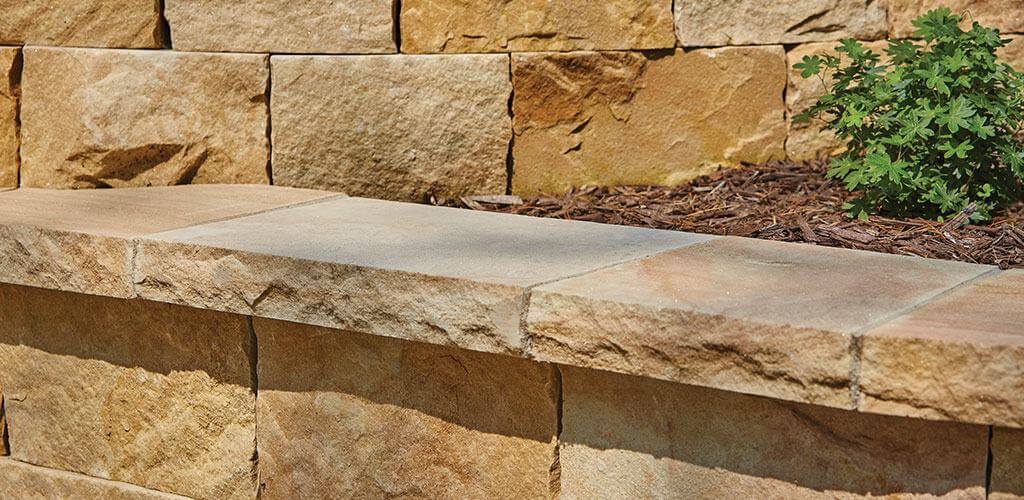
(422, 99)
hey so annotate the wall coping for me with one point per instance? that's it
(842, 328)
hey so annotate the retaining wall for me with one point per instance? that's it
(415, 99)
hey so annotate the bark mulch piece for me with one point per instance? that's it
(784, 202)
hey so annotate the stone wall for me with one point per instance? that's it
(417, 99)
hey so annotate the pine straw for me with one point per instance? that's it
(784, 202)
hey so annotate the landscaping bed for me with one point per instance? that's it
(784, 202)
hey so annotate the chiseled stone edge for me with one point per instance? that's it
(75, 483)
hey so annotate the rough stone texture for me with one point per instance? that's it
(630, 437)
(114, 118)
(735, 314)
(437, 275)
(536, 25)
(346, 415)
(644, 118)
(1007, 464)
(758, 22)
(21, 480)
(10, 91)
(392, 127)
(282, 26)
(807, 141)
(81, 23)
(77, 240)
(150, 394)
(960, 357)
(1006, 15)
(1013, 54)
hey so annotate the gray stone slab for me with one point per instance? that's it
(432, 274)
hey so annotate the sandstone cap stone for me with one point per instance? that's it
(348, 415)
(1006, 15)
(431, 274)
(10, 90)
(78, 240)
(959, 357)
(393, 127)
(21, 480)
(81, 23)
(117, 118)
(758, 22)
(536, 25)
(282, 26)
(607, 118)
(632, 437)
(737, 314)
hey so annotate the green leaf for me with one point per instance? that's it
(956, 116)
(809, 66)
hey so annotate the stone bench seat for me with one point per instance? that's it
(840, 330)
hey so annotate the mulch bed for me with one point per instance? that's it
(784, 202)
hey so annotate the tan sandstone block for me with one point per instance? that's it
(150, 394)
(611, 118)
(82, 23)
(758, 22)
(807, 141)
(960, 357)
(346, 415)
(282, 26)
(431, 274)
(535, 25)
(734, 313)
(631, 437)
(1007, 464)
(30, 482)
(10, 92)
(1005, 15)
(111, 118)
(79, 240)
(392, 127)
(1013, 54)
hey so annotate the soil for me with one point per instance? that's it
(784, 202)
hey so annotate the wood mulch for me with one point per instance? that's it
(784, 202)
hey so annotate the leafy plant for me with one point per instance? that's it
(930, 131)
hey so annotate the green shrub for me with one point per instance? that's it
(931, 131)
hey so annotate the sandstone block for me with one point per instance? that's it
(536, 25)
(430, 274)
(282, 26)
(1013, 54)
(10, 91)
(1007, 464)
(392, 127)
(960, 357)
(630, 437)
(758, 22)
(81, 23)
(78, 240)
(346, 415)
(644, 118)
(106, 118)
(1005, 15)
(807, 141)
(21, 480)
(150, 394)
(735, 314)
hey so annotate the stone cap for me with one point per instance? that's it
(841, 328)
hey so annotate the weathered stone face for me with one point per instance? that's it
(282, 26)
(535, 25)
(759, 22)
(150, 394)
(105, 118)
(1006, 15)
(393, 127)
(10, 90)
(628, 437)
(643, 118)
(81, 23)
(1007, 464)
(21, 480)
(347, 415)
(1013, 54)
